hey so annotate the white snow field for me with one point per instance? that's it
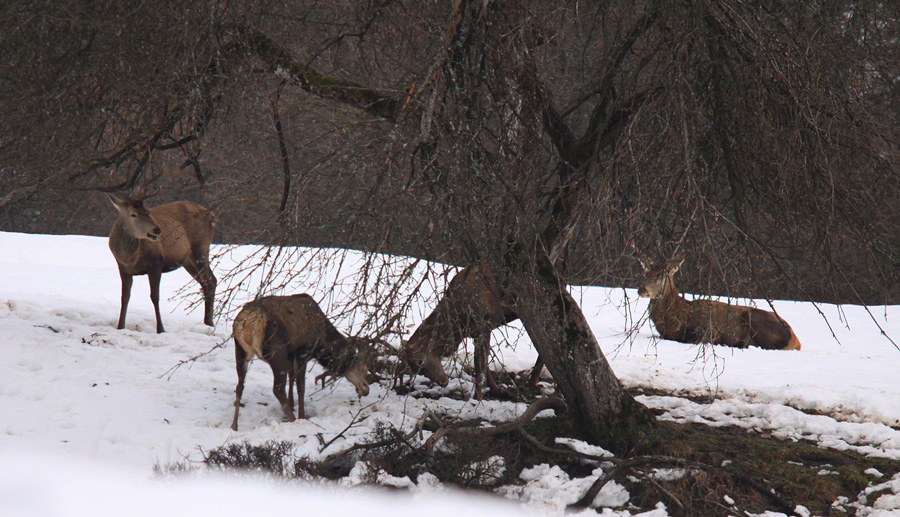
(87, 411)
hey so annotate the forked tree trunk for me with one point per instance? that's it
(561, 334)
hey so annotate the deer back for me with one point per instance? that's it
(187, 231)
(468, 308)
(303, 324)
(711, 321)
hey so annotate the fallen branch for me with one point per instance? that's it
(640, 461)
(555, 403)
(534, 442)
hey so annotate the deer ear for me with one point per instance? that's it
(116, 199)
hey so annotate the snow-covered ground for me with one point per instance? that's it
(87, 411)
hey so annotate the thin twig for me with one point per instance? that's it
(171, 371)
(383, 443)
(341, 434)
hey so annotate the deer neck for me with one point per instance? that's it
(336, 359)
(336, 352)
(669, 304)
(125, 247)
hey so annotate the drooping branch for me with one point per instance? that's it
(282, 147)
(279, 61)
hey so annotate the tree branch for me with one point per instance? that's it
(282, 147)
(554, 403)
(279, 61)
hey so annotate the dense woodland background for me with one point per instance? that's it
(761, 139)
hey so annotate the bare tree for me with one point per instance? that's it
(760, 139)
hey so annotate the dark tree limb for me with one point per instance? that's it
(278, 59)
(641, 461)
(282, 147)
(555, 403)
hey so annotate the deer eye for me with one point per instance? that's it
(133, 215)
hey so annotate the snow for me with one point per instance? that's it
(87, 411)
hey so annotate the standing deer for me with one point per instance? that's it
(158, 240)
(285, 332)
(469, 308)
(710, 321)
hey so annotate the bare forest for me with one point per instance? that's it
(543, 141)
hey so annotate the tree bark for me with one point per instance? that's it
(561, 334)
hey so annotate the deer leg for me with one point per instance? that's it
(482, 353)
(493, 387)
(241, 361)
(482, 344)
(536, 372)
(204, 276)
(279, 371)
(300, 366)
(127, 280)
(297, 377)
(154, 275)
(292, 373)
(208, 284)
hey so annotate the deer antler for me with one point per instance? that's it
(142, 193)
(646, 263)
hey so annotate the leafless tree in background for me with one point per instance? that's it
(541, 139)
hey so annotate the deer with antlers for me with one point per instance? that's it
(156, 240)
(709, 321)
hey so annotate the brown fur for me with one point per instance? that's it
(709, 321)
(285, 332)
(469, 308)
(158, 240)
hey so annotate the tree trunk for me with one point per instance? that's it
(561, 334)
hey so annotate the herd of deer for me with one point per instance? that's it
(286, 331)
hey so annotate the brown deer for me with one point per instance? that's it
(710, 321)
(158, 240)
(469, 308)
(285, 332)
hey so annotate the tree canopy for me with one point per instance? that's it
(544, 139)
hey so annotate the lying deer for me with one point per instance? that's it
(158, 240)
(709, 321)
(469, 308)
(285, 332)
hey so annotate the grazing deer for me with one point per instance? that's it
(710, 321)
(158, 240)
(469, 308)
(285, 332)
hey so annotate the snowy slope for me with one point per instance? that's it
(86, 409)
